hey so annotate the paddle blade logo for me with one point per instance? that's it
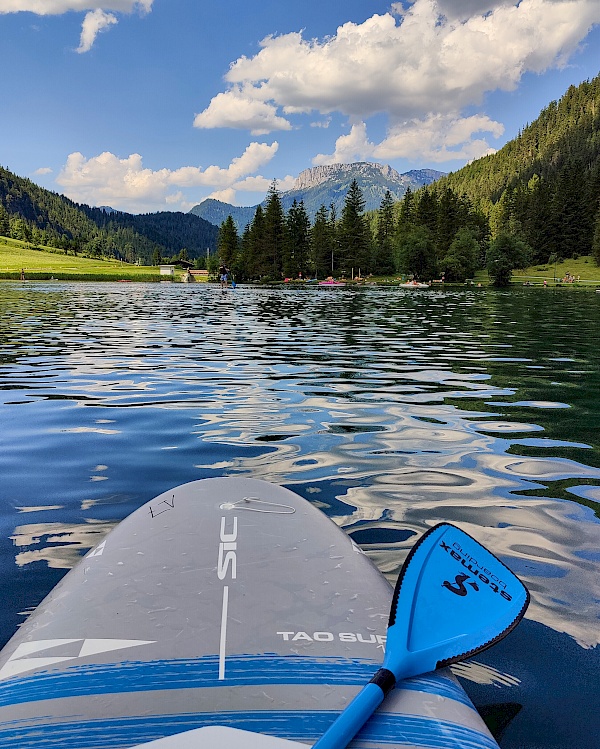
(458, 594)
(459, 582)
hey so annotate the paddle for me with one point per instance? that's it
(453, 599)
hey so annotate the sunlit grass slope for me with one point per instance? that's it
(46, 263)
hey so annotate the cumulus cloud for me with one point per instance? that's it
(96, 18)
(127, 184)
(43, 170)
(262, 184)
(57, 7)
(94, 22)
(238, 109)
(436, 138)
(252, 184)
(426, 61)
(440, 138)
(225, 196)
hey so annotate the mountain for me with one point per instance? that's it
(326, 185)
(43, 217)
(215, 211)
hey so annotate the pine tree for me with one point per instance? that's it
(407, 209)
(274, 233)
(20, 229)
(426, 211)
(256, 261)
(227, 243)
(448, 220)
(596, 240)
(537, 221)
(354, 233)
(383, 258)
(321, 244)
(570, 223)
(297, 241)
(4, 222)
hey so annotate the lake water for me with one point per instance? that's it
(390, 409)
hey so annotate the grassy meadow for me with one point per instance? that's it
(583, 268)
(48, 263)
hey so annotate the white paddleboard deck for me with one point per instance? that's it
(222, 605)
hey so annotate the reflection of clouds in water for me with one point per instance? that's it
(40, 508)
(482, 674)
(60, 545)
(586, 492)
(89, 430)
(537, 404)
(506, 427)
(453, 470)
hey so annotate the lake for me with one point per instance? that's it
(390, 409)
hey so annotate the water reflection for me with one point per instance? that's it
(59, 545)
(390, 411)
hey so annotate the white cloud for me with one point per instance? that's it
(57, 7)
(237, 109)
(96, 18)
(127, 184)
(225, 196)
(252, 184)
(422, 62)
(43, 170)
(439, 138)
(94, 22)
(348, 148)
(175, 199)
(436, 138)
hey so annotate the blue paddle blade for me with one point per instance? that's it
(453, 599)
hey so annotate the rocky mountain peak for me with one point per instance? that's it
(317, 175)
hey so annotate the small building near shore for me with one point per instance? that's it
(167, 270)
(199, 275)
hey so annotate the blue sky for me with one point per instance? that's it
(150, 105)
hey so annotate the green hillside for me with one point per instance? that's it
(43, 218)
(545, 184)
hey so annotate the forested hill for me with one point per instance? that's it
(42, 217)
(544, 184)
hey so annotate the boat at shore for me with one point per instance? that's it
(331, 283)
(220, 607)
(414, 285)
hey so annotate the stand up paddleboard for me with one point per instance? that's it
(221, 606)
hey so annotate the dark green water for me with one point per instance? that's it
(392, 410)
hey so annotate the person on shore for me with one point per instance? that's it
(22, 274)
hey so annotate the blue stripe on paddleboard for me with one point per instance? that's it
(201, 673)
(383, 728)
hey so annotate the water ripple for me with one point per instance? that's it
(390, 411)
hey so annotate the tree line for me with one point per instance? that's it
(433, 233)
